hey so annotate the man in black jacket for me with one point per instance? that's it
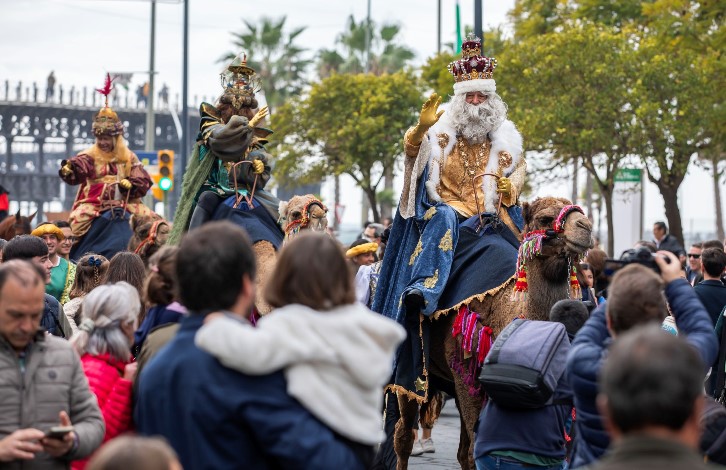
(665, 241)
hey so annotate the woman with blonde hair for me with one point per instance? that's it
(90, 272)
(104, 341)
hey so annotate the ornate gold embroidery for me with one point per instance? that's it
(505, 160)
(429, 213)
(420, 384)
(443, 140)
(416, 252)
(446, 243)
(430, 282)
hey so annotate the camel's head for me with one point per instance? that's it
(303, 213)
(567, 233)
(149, 234)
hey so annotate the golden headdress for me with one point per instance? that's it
(106, 121)
(240, 82)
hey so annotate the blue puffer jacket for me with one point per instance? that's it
(589, 350)
(216, 418)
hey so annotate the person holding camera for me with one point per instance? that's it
(635, 297)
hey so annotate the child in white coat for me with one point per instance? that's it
(336, 354)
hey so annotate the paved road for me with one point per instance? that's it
(446, 439)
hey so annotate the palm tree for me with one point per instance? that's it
(272, 52)
(385, 56)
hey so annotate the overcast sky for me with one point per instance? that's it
(82, 39)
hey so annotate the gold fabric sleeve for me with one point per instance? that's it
(517, 178)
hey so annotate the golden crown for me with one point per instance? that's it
(472, 64)
(240, 82)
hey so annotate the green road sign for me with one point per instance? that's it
(629, 175)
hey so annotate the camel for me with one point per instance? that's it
(149, 234)
(14, 225)
(298, 214)
(549, 281)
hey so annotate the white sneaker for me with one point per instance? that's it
(428, 445)
(417, 448)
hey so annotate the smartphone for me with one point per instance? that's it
(58, 432)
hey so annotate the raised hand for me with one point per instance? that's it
(259, 116)
(430, 114)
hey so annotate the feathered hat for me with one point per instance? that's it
(473, 72)
(106, 121)
(240, 82)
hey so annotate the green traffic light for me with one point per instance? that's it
(165, 184)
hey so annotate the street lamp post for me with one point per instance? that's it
(150, 122)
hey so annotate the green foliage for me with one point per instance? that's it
(347, 124)
(435, 76)
(272, 52)
(386, 55)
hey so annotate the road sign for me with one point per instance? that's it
(629, 175)
(147, 158)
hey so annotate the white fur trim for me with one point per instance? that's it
(484, 85)
(282, 208)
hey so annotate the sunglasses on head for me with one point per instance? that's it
(693, 255)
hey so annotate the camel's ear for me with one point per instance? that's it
(282, 208)
(526, 213)
(32, 216)
(17, 216)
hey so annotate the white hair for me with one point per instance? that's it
(104, 310)
(475, 122)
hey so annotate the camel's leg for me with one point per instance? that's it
(266, 256)
(403, 435)
(469, 409)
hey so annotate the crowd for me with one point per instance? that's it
(163, 363)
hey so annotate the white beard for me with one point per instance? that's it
(475, 122)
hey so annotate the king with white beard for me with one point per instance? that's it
(458, 225)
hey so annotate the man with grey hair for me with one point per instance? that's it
(43, 384)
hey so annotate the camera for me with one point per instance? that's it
(640, 255)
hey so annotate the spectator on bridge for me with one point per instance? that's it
(90, 271)
(635, 297)
(43, 384)
(34, 249)
(62, 272)
(164, 96)
(109, 174)
(50, 87)
(651, 400)
(215, 417)
(104, 341)
(140, 98)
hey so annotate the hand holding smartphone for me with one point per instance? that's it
(58, 432)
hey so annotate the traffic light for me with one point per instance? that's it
(166, 169)
(155, 190)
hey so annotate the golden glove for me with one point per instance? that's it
(258, 167)
(66, 169)
(504, 186)
(125, 184)
(259, 116)
(430, 115)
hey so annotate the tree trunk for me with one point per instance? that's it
(588, 196)
(606, 194)
(386, 207)
(365, 207)
(575, 172)
(336, 185)
(371, 201)
(673, 212)
(717, 196)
